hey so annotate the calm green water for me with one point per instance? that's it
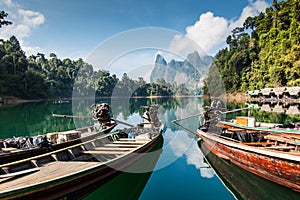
(180, 172)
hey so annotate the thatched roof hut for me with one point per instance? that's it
(293, 110)
(293, 91)
(266, 91)
(265, 107)
(278, 109)
(279, 91)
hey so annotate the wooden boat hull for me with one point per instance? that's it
(280, 167)
(68, 181)
(64, 187)
(120, 181)
(26, 153)
(243, 184)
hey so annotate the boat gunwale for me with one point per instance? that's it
(208, 142)
(53, 152)
(264, 129)
(57, 144)
(241, 146)
(86, 170)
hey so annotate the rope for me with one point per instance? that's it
(197, 115)
(188, 130)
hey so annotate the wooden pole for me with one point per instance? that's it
(197, 115)
(86, 117)
(235, 110)
(120, 122)
(69, 116)
(188, 130)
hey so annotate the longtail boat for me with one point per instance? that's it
(50, 142)
(64, 171)
(243, 184)
(117, 187)
(12, 149)
(272, 154)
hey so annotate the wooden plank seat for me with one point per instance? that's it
(129, 142)
(282, 139)
(122, 145)
(9, 149)
(258, 143)
(113, 148)
(127, 139)
(281, 147)
(23, 172)
(235, 129)
(105, 152)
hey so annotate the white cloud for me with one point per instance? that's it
(181, 145)
(30, 50)
(24, 22)
(31, 18)
(209, 33)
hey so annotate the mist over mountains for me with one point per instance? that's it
(190, 72)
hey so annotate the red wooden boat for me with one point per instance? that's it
(270, 153)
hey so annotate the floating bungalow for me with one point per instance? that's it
(275, 94)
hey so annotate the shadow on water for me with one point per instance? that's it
(123, 185)
(243, 184)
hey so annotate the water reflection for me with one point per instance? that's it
(183, 145)
(125, 185)
(181, 170)
(36, 118)
(245, 185)
(289, 109)
(33, 119)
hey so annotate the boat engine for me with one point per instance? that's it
(151, 115)
(101, 113)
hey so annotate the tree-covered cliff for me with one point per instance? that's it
(39, 77)
(265, 52)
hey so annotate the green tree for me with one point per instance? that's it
(262, 53)
(4, 22)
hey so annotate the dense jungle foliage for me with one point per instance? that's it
(38, 77)
(265, 52)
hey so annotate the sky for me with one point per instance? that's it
(76, 28)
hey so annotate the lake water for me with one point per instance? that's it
(180, 172)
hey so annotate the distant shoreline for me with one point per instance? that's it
(237, 97)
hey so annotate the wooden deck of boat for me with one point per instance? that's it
(50, 171)
(57, 169)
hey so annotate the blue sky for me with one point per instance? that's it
(74, 28)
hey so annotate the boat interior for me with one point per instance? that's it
(70, 159)
(262, 135)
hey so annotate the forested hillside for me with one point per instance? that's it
(36, 77)
(265, 52)
(39, 77)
